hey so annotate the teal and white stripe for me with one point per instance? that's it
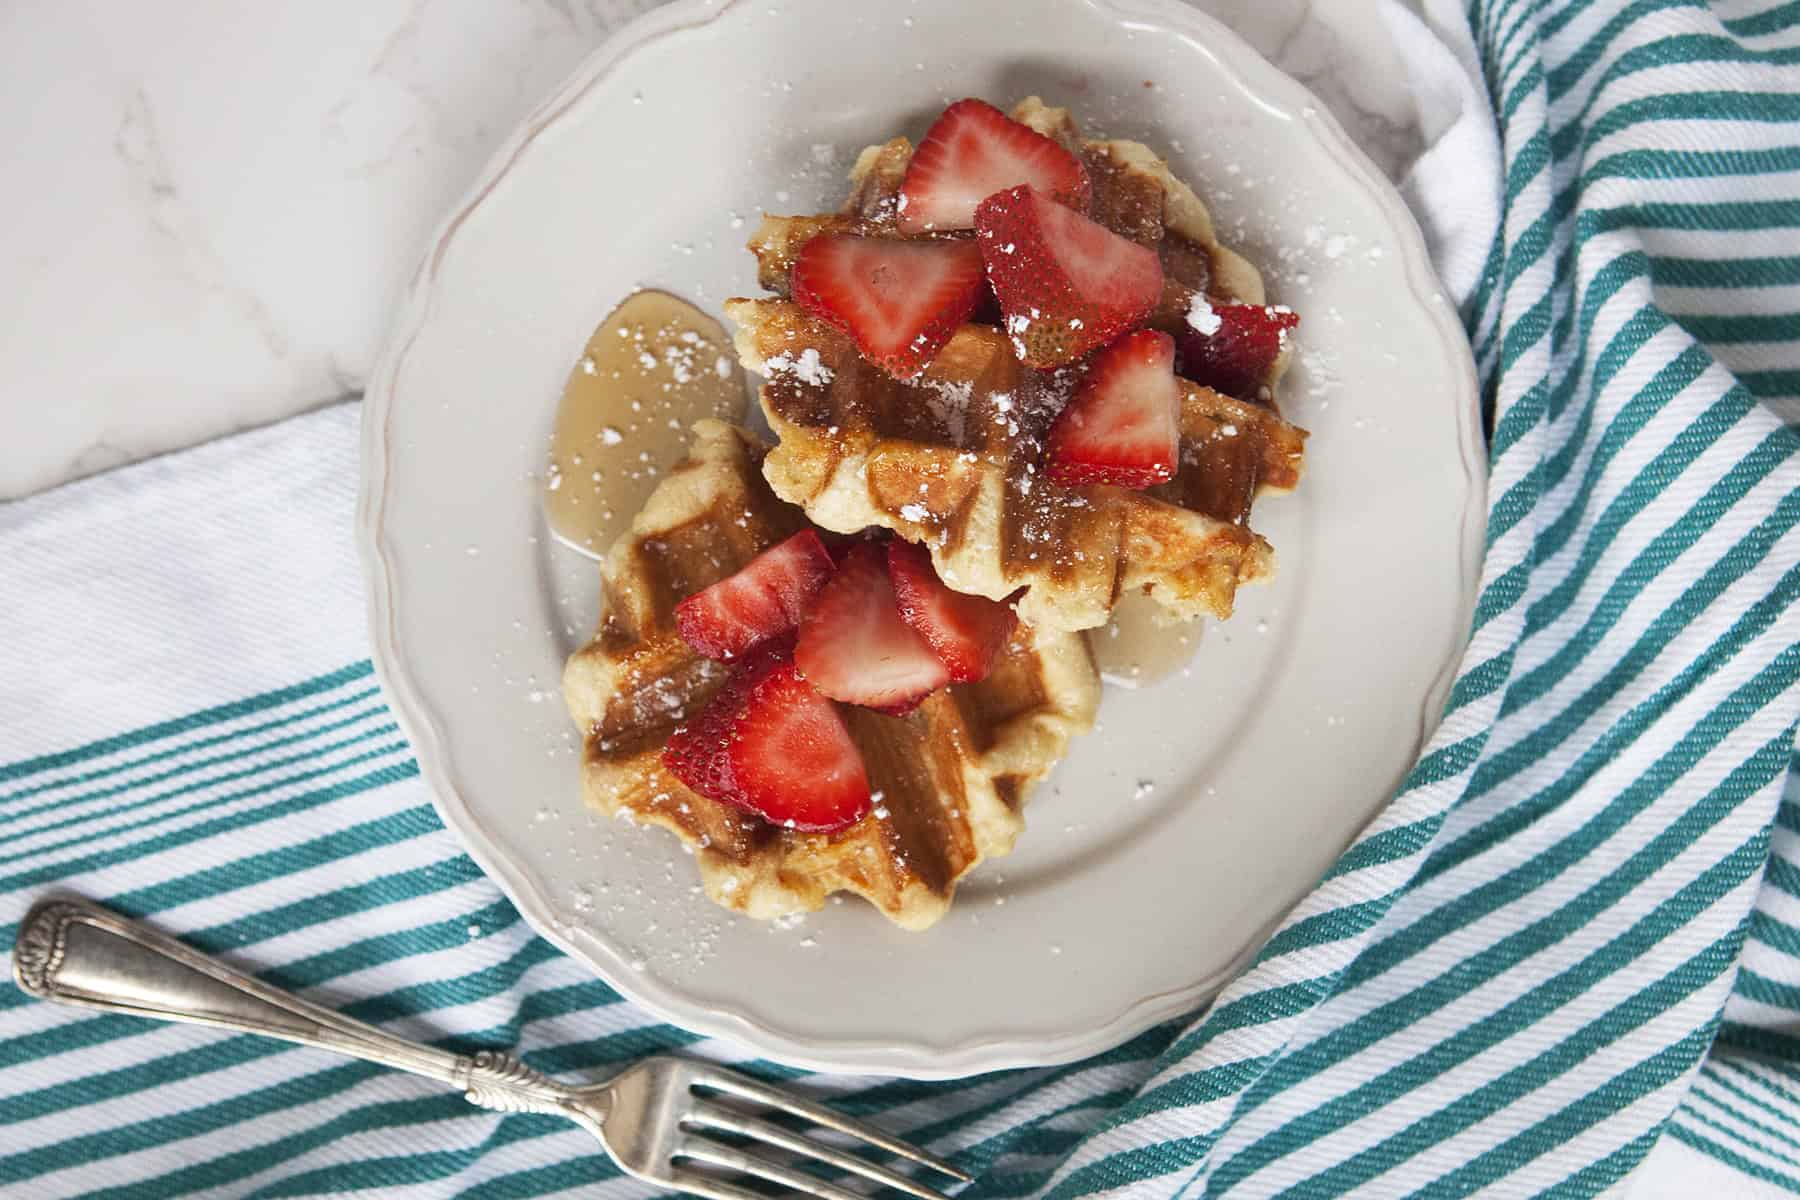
(1744, 1107)
(225, 810)
(1510, 983)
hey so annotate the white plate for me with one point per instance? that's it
(1125, 904)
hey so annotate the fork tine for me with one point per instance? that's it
(720, 1155)
(747, 1088)
(708, 1188)
(713, 1116)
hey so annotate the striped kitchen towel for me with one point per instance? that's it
(1574, 935)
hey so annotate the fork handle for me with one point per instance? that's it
(75, 952)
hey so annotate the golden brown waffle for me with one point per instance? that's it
(950, 778)
(951, 459)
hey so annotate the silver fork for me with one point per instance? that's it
(660, 1120)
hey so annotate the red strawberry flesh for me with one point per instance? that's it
(972, 151)
(967, 633)
(1238, 347)
(792, 760)
(1124, 425)
(770, 744)
(855, 647)
(764, 598)
(900, 301)
(1065, 284)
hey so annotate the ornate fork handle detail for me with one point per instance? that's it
(497, 1080)
(38, 952)
(78, 953)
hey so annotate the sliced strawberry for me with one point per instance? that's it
(1235, 345)
(967, 633)
(695, 752)
(769, 743)
(792, 761)
(973, 151)
(1124, 425)
(901, 301)
(1065, 283)
(767, 596)
(854, 647)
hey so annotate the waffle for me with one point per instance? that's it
(950, 459)
(951, 778)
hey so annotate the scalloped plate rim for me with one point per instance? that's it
(917, 1057)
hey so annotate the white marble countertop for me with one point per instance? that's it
(211, 207)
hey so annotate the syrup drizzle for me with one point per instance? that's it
(654, 366)
(1142, 644)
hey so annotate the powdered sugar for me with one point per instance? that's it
(948, 402)
(1201, 317)
(1003, 412)
(1285, 334)
(808, 368)
(665, 699)
(1016, 325)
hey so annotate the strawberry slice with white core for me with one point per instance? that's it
(972, 151)
(1124, 425)
(770, 744)
(855, 647)
(792, 760)
(899, 300)
(1065, 284)
(967, 633)
(767, 596)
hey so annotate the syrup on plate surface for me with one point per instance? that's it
(1137, 648)
(654, 366)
